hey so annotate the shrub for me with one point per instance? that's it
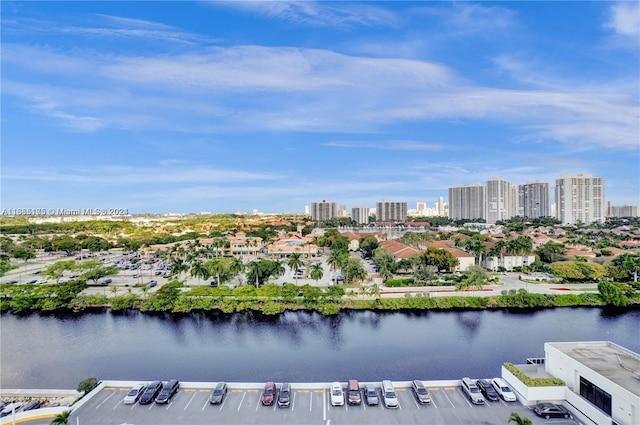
(532, 382)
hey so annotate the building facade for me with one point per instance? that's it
(360, 215)
(622, 211)
(391, 211)
(533, 200)
(467, 202)
(580, 198)
(323, 210)
(502, 200)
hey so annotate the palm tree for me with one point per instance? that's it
(114, 290)
(61, 418)
(255, 270)
(236, 266)
(277, 269)
(294, 263)
(216, 267)
(519, 420)
(335, 260)
(316, 271)
(199, 270)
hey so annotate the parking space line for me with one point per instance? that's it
(448, 399)
(190, 400)
(416, 402)
(324, 406)
(206, 401)
(105, 400)
(224, 400)
(242, 400)
(434, 403)
(117, 404)
(465, 398)
(204, 391)
(258, 405)
(293, 402)
(310, 401)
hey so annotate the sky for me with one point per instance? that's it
(158, 107)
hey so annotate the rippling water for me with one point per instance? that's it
(54, 351)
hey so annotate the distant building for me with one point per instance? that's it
(421, 208)
(342, 211)
(323, 210)
(623, 211)
(360, 215)
(533, 200)
(580, 198)
(502, 200)
(467, 202)
(391, 211)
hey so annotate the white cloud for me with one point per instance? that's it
(392, 145)
(624, 20)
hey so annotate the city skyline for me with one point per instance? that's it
(158, 107)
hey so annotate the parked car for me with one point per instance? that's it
(503, 389)
(106, 281)
(134, 393)
(420, 391)
(168, 390)
(10, 408)
(487, 390)
(371, 395)
(472, 391)
(550, 410)
(284, 396)
(353, 392)
(32, 405)
(268, 394)
(389, 397)
(218, 393)
(151, 392)
(152, 284)
(337, 395)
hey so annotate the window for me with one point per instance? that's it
(598, 397)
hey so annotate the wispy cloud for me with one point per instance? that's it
(321, 14)
(392, 145)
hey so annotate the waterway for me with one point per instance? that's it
(58, 351)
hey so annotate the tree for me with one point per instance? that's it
(336, 259)
(631, 263)
(441, 259)
(519, 420)
(368, 244)
(57, 269)
(199, 270)
(294, 263)
(612, 293)
(22, 253)
(353, 270)
(316, 271)
(236, 266)
(86, 385)
(551, 252)
(473, 278)
(61, 418)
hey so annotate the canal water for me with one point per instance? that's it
(58, 351)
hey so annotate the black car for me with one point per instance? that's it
(168, 390)
(31, 406)
(150, 394)
(487, 390)
(550, 410)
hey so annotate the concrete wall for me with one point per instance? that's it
(532, 395)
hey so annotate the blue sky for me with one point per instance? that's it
(235, 106)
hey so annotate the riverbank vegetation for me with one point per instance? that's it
(274, 299)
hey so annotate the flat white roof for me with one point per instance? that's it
(610, 360)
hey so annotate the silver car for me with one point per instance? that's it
(134, 393)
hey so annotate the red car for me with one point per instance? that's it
(268, 394)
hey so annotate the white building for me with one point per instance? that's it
(580, 198)
(360, 215)
(502, 200)
(602, 381)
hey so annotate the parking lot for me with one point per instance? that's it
(310, 405)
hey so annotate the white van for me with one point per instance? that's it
(389, 396)
(503, 389)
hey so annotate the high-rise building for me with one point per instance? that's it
(441, 207)
(533, 200)
(421, 208)
(622, 211)
(502, 200)
(342, 211)
(466, 202)
(580, 198)
(360, 215)
(391, 211)
(323, 210)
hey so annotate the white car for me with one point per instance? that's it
(503, 389)
(134, 393)
(389, 397)
(337, 394)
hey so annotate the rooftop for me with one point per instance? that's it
(610, 360)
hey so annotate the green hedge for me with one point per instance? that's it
(533, 382)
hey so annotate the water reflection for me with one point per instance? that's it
(54, 351)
